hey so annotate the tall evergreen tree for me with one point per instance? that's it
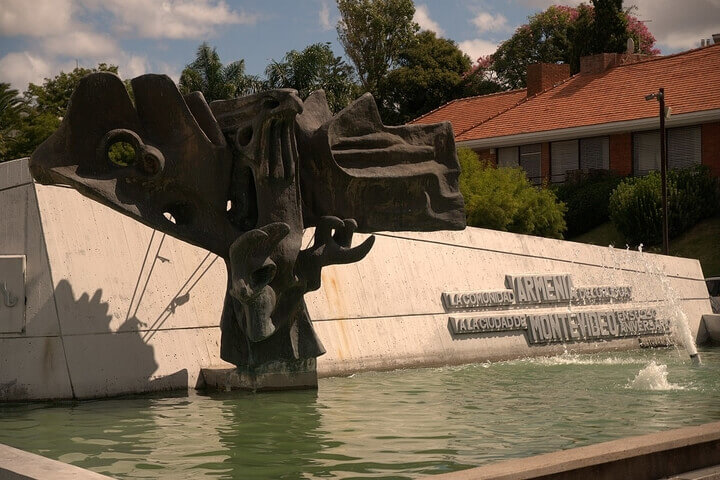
(373, 33)
(314, 68)
(432, 71)
(216, 81)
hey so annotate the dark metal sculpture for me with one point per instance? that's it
(243, 178)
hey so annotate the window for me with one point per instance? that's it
(530, 162)
(683, 149)
(508, 157)
(563, 157)
(595, 153)
(646, 152)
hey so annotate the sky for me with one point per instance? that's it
(40, 38)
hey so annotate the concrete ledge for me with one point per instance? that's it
(20, 465)
(653, 456)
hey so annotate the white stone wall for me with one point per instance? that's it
(114, 307)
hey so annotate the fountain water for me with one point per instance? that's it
(676, 313)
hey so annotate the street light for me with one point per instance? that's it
(660, 96)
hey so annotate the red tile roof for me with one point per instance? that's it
(466, 113)
(691, 80)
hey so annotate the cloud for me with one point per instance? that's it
(324, 16)
(487, 22)
(22, 68)
(171, 18)
(37, 19)
(131, 66)
(679, 26)
(422, 18)
(477, 48)
(80, 44)
(543, 4)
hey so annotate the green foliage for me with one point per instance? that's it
(431, 72)
(11, 110)
(503, 199)
(636, 204)
(373, 33)
(121, 153)
(587, 202)
(315, 68)
(34, 129)
(53, 96)
(30, 120)
(580, 36)
(610, 28)
(543, 39)
(216, 81)
(564, 34)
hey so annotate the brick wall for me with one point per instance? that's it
(600, 62)
(541, 76)
(487, 155)
(545, 161)
(621, 153)
(710, 135)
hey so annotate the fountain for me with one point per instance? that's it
(495, 345)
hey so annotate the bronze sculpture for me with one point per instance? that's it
(242, 178)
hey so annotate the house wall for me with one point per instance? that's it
(621, 153)
(487, 155)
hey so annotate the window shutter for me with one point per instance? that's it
(530, 162)
(646, 152)
(595, 153)
(508, 157)
(563, 157)
(684, 147)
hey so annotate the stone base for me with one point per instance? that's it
(299, 375)
(709, 331)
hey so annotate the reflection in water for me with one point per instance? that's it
(269, 435)
(400, 424)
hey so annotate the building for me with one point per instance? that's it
(598, 118)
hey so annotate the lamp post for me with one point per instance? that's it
(660, 96)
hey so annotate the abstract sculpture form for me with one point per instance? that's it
(242, 178)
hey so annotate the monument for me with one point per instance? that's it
(243, 178)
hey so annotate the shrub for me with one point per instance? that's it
(587, 201)
(636, 204)
(503, 199)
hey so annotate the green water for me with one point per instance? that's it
(400, 424)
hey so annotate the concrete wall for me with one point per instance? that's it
(386, 312)
(114, 307)
(690, 453)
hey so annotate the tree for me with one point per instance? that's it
(431, 72)
(503, 199)
(373, 34)
(564, 34)
(11, 109)
(315, 68)
(53, 96)
(217, 81)
(610, 26)
(42, 109)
